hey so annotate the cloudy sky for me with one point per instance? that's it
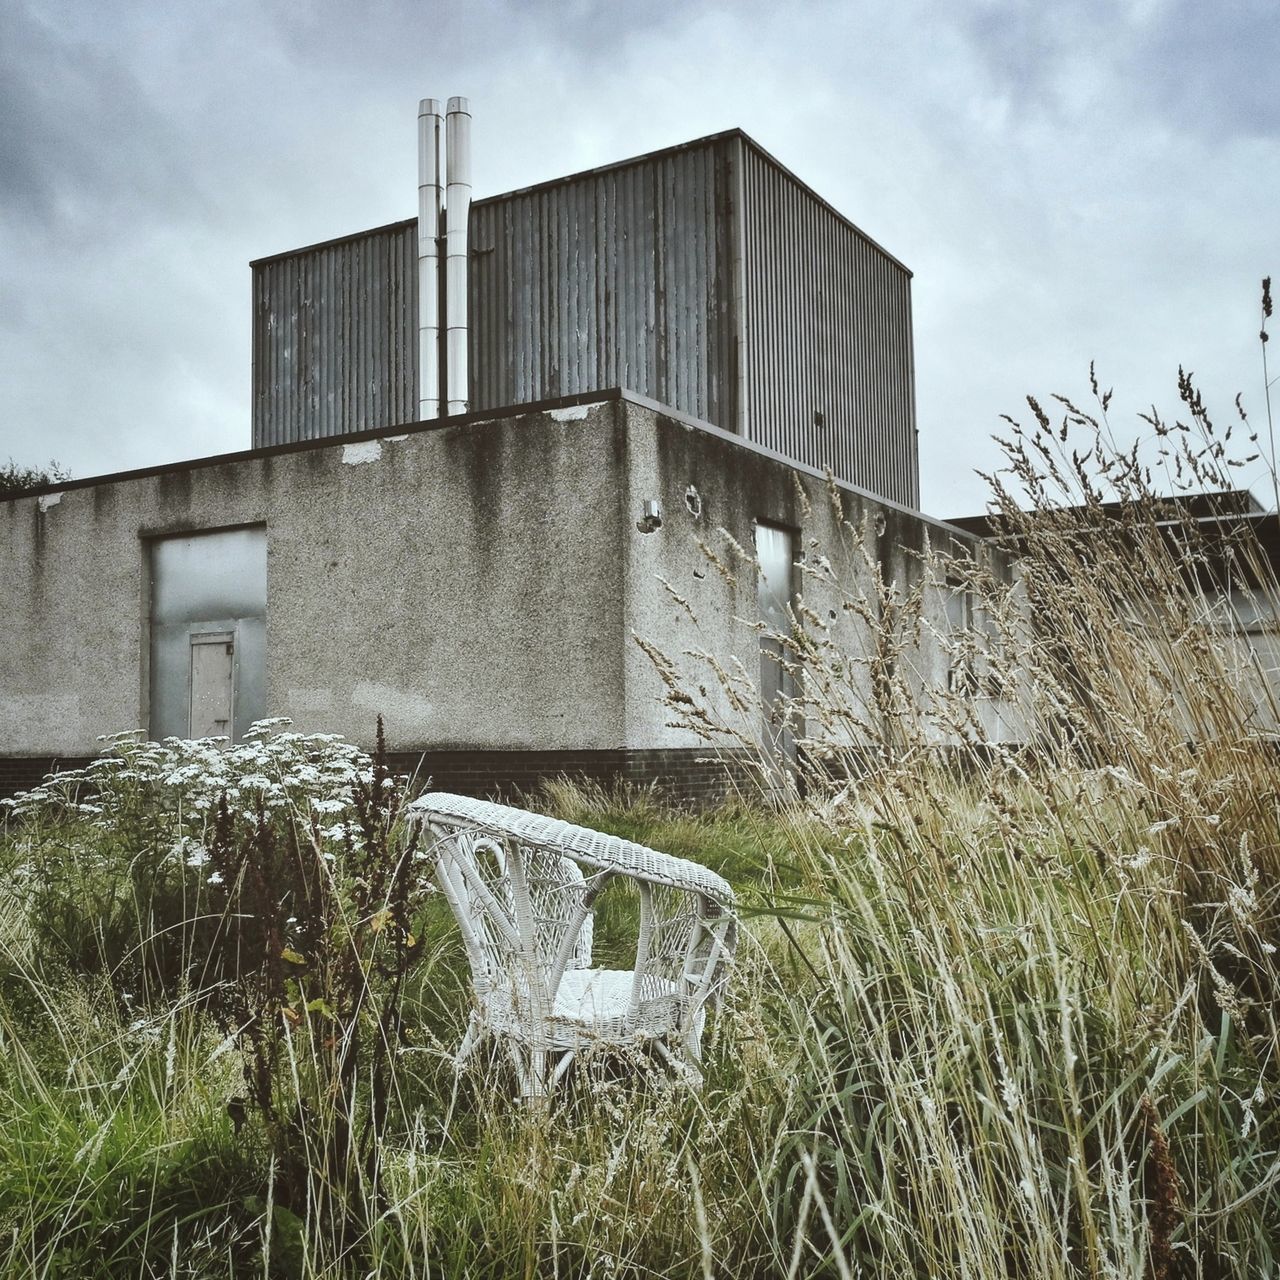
(1068, 181)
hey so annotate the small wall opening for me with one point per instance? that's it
(775, 587)
(208, 633)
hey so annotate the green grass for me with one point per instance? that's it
(945, 1057)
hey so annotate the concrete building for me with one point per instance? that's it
(480, 578)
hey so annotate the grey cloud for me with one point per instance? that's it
(1066, 181)
(81, 143)
(394, 37)
(1211, 68)
(1207, 69)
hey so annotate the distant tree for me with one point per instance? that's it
(16, 479)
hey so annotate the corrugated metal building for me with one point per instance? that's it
(706, 277)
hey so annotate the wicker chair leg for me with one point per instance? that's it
(470, 1040)
(693, 1047)
(531, 1072)
(536, 1086)
(562, 1067)
(685, 1069)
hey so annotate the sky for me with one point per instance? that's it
(1076, 181)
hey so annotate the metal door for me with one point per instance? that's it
(208, 590)
(212, 685)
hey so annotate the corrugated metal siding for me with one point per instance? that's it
(335, 338)
(829, 332)
(618, 278)
(623, 277)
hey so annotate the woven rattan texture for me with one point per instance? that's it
(523, 889)
(594, 848)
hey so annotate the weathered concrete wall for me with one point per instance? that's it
(855, 552)
(479, 584)
(459, 580)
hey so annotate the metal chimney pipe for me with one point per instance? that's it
(457, 208)
(429, 193)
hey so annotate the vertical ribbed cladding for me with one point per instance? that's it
(705, 277)
(829, 332)
(335, 335)
(620, 277)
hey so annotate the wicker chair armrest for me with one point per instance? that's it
(589, 848)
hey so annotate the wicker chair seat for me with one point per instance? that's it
(591, 1006)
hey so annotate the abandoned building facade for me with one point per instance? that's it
(494, 448)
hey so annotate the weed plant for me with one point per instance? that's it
(1032, 1003)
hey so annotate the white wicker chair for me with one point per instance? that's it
(523, 889)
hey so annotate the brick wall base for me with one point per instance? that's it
(692, 778)
(21, 773)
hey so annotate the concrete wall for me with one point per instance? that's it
(479, 584)
(854, 551)
(460, 580)
(71, 635)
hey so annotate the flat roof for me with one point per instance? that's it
(322, 442)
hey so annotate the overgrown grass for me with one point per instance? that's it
(1007, 1010)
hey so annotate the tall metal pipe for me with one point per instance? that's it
(457, 208)
(429, 193)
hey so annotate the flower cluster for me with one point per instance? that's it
(273, 768)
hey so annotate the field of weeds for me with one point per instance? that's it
(999, 1011)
